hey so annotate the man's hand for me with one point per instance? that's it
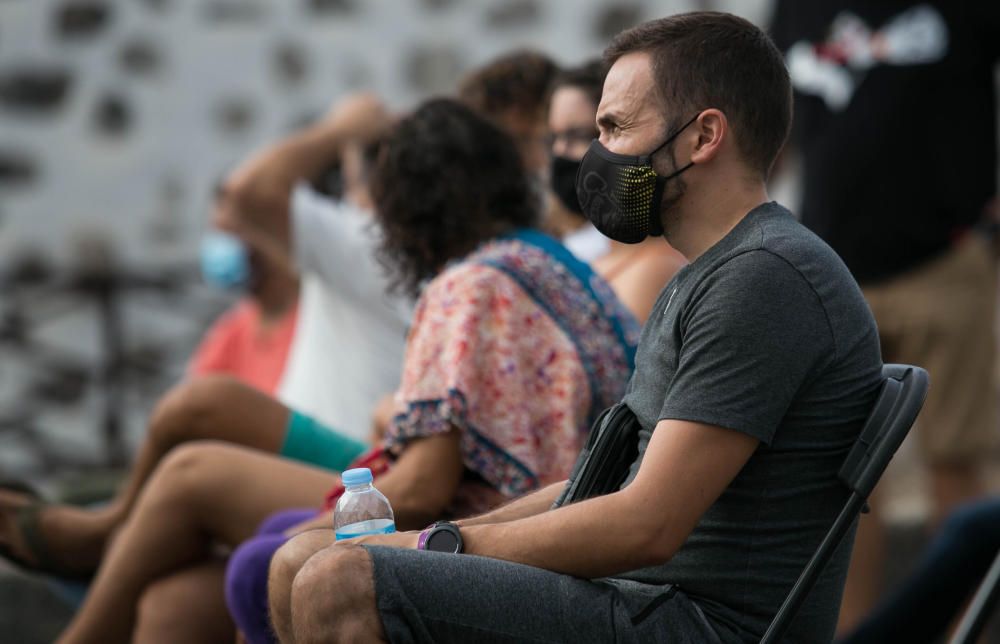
(392, 540)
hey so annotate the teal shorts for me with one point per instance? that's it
(310, 441)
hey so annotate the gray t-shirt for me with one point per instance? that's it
(768, 334)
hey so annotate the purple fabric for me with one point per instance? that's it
(246, 574)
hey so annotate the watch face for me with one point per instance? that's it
(442, 541)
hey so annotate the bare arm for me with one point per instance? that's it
(419, 485)
(521, 508)
(686, 467)
(255, 199)
(423, 481)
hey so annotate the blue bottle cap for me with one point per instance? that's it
(357, 476)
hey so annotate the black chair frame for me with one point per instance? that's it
(896, 408)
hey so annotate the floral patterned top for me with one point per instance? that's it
(520, 346)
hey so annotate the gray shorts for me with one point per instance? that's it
(437, 597)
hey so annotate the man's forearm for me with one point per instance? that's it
(520, 508)
(685, 468)
(260, 192)
(589, 539)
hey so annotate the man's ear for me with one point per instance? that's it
(711, 129)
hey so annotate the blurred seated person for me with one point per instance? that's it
(348, 346)
(637, 272)
(515, 348)
(932, 597)
(251, 340)
(512, 92)
(350, 330)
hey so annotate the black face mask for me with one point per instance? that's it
(621, 193)
(562, 172)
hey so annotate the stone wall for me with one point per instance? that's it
(118, 118)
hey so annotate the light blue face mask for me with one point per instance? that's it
(224, 261)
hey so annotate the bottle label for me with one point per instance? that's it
(362, 528)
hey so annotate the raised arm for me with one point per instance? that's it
(254, 201)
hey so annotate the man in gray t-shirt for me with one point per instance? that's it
(754, 375)
(767, 334)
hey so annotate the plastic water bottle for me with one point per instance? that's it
(361, 509)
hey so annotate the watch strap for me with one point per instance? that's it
(424, 534)
(440, 526)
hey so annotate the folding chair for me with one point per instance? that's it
(895, 409)
(980, 608)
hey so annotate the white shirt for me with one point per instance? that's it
(348, 345)
(587, 243)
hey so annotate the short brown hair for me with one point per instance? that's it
(518, 81)
(706, 59)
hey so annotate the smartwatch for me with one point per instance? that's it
(442, 536)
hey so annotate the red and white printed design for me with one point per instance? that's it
(834, 69)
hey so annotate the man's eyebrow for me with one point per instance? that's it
(607, 120)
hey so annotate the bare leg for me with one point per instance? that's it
(285, 564)
(187, 606)
(333, 598)
(203, 494)
(208, 408)
(215, 407)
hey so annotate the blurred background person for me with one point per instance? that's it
(576, 93)
(878, 86)
(936, 592)
(349, 341)
(512, 92)
(251, 340)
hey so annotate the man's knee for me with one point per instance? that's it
(285, 566)
(289, 558)
(348, 567)
(188, 411)
(333, 594)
